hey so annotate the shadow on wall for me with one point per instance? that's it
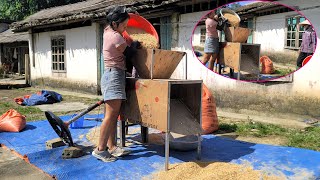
(286, 57)
(267, 102)
(68, 85)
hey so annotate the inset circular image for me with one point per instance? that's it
(254, 40)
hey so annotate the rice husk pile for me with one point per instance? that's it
(211, 170)
(93, 135)
(232, 19)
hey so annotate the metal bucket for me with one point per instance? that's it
(183, 142)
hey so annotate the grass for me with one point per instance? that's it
(31, 113)
(34, 113)
(307, 138)
(283, 72)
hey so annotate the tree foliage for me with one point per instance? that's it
(19, 9)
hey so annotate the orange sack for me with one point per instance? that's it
(209, 112)
(12, 121)
(267, 65)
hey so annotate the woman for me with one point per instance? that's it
(308, 44)
(115, 51)
(211, 46)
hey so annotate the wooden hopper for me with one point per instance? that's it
(237, 34)
(156, 63)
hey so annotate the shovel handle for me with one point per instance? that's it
(90, 108)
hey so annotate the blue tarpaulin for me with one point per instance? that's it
(146, 159)
(42, 97)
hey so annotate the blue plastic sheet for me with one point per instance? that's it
(45, 97)
(146, 159)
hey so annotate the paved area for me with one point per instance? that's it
(63, 107)
(13, 167)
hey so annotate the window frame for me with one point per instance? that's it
(297, 32)
(202, 36)
(58, 53)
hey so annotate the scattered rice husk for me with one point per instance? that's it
(93, 135)
(147, 40)
(212, 170)
(232, 19)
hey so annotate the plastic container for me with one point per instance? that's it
(137, 21)
(306, 60)
(78, 123)
(229, 11)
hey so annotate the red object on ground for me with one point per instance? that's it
(19, 100)
(209, 112)
(306, 60)
(137, 21)
(12, 121)
(267, 65)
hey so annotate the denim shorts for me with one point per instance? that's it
(113, 84)
(211, 45)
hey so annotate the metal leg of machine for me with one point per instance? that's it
(167, 151)
(199, 147)
(122, 133)
(144, 134)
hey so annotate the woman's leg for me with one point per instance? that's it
(109, 121)
(212, 60)
(300, 59)
(206, 58)
(113, 133)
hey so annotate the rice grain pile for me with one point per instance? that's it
(233, 20)
(212, 170)
(147, 40)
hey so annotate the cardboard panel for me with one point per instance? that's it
(165, 62)
(237, 34)
(147, 103)
(230, 55)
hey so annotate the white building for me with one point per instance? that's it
(73, 34)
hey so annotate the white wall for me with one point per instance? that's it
(270, 31)
(306, 80)
(81, 54)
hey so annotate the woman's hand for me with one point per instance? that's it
(136, 45)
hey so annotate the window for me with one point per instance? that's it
(58, 54)
(293, 34)
(202, 36)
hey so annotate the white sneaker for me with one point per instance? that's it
(104, 156)
(118, 152)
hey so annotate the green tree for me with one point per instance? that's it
(19, 9)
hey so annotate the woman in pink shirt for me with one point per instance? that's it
(211, 46)
(115, 53)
